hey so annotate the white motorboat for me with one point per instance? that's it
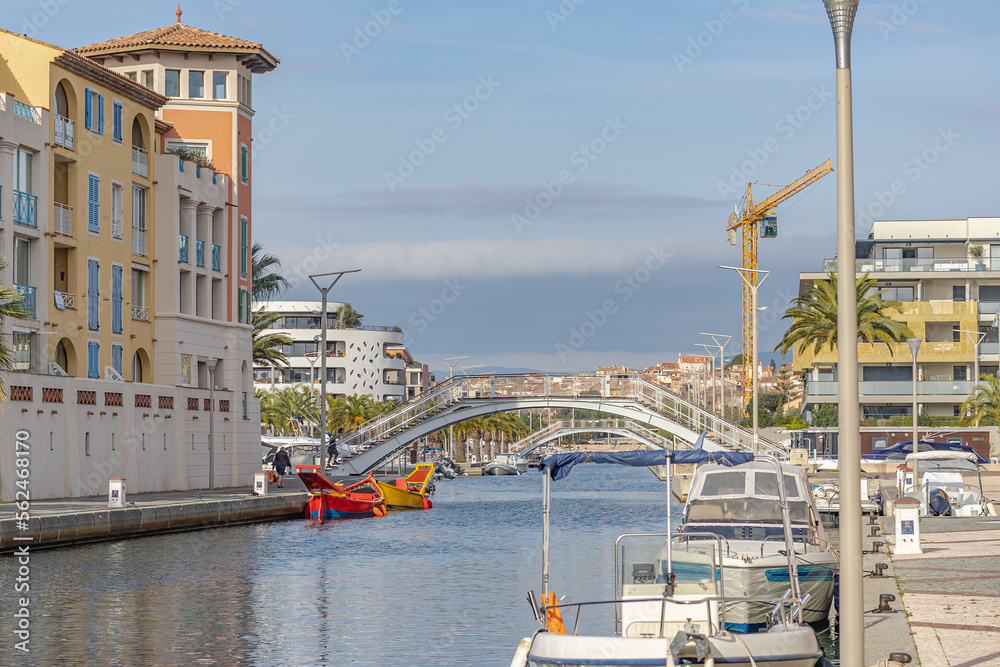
(826, 495)
(671, 605)
(743, 506)
(506, 464)
(943, 490)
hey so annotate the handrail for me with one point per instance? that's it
(819, 541)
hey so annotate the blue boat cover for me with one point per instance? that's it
(559, 465)
(901, 449)
(939, 503)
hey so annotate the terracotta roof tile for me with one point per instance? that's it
(176, 34)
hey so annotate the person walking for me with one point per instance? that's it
(332, 452)
(281, 461)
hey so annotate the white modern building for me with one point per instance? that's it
(358, 360)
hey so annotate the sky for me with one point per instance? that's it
(546, 184)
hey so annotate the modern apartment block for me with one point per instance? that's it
(134, 262)
(360, 360)
(946, 273)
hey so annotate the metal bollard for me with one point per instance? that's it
(879, 571)
(876, 548)
(874, 532)
(883, 604)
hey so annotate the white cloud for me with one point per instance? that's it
(474, 258)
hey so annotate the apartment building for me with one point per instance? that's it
(133, 261)
(360, 360)
(946, 274)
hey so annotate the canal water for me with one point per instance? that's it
(441, 587)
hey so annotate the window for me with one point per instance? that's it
(138, 288)
(896, 293)
(196, 84)
(22, 261)
(117, 205)
(190, 146)
(116, 358)
(93, 111)
(138, 207)
(137, 375)
(958, 292)
(239, 306)
(243, 163)
(94, 203)
(147, 78)
(219, 85)
(24, 171)
(186, 369)
(243, 246)
(116, 300)
(956, 334)
(959, 373)
(132, 75)
(21, 351)
(116, 121)
(93, 359)
(93, 294)
(887, 373)
(880, 443)
(172, 83)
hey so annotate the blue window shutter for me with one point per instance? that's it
(116, 121)
(94, 203)
(88, 112)
(116, 358)
(93, 294)
(100, 114)
(116, 299)
(93, 359)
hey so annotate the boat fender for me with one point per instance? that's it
(378, 510)
(427, 503)
(554, 619)
(698, 641)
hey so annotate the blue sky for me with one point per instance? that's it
(546, 183)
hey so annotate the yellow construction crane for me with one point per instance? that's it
(760, 220)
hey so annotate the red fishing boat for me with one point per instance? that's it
(329, 500)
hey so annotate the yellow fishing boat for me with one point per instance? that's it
(412, 491)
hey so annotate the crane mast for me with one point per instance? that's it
(749, 218)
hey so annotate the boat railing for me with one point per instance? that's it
(687, 536)
(786, 606)
(820, 542)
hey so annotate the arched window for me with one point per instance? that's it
(137, 137)
(62, 102)
(136, 368)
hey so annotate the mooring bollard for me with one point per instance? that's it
(116, 492)
(908, 526)
(260, 479)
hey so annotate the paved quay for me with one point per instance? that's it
(951, 592)
(67, 521)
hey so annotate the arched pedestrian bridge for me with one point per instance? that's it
(621, 427)
(468, 397)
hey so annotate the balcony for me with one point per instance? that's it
(64, 131)
(216, 257)
(62, 219)
(27, 294)
(65, 299)
(25, 209)
(989, 307)
(182, 248)
(199, 252)
(989, 348)
(921, 264)
(138, 241)
(140, 162)
(140, 313)
(958, 388)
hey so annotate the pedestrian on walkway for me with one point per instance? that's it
(281, 461)
(333, 453)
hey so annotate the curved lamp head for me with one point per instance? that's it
(842, 13)
(914, 344)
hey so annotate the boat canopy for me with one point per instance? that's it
(944, 456)
(559, 465)
(900, 450)
(745, 494)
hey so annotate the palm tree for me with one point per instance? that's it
(12, 306)
(265, 284)
(814, 317)
(348, 318)
(983, 404)
(289, 411)
(268, 348)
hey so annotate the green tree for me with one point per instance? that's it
(825, 415)
(348, 318)
(289, 411)
(12, 306)
(983, 403)
(785, 386)
(268, 346)
(265, 284)
(814, 317)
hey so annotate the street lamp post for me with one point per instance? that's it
(452, 362)
(710, 384)
(212, 363)
(750, 277)
(322, 349)
(975, 337)
(914, 344)
(722, 367)
(852, 625)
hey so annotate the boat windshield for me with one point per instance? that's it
(745, 510)
(642, 560)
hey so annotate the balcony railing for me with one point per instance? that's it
(62, 219)
(199, 252)
(896, 388)
(117, 228)
(22, 110)
(27, 294)
(140, 313)
(989, 348)
(216, 257)
(989, 307)
(138, 241)
(25, 209)
(67, 299)
(140, 162)
(182, 247)
(64, 132)
(920, 264)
